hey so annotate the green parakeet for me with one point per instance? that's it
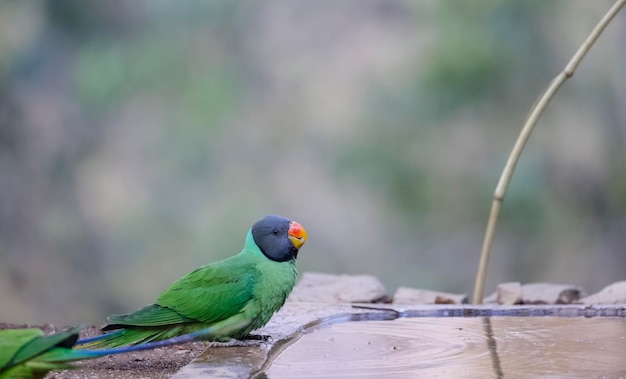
(231, 297)
(27, 353)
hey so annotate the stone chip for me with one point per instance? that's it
(612, 294)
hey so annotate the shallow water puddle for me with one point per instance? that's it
(528, 347)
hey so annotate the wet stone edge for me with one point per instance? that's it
(296, 319)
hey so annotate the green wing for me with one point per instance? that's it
(41, 344)
(24, 352)
(214, 292)
(12, 340)
(151, 315)
(208, 294)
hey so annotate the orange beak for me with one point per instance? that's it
(297, 234)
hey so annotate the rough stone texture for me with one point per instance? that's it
(153, 364)
(509, 293)
(328, 288)
(405, 295)
(491, 298)
(534, 293)
(549, 293)
(611, 294)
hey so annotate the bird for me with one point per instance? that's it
(27, 353)
(229, 298)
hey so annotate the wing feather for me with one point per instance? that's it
(213, 292)
(150, 315)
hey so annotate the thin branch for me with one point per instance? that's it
(509, 168)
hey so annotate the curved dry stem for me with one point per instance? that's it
(529, 125)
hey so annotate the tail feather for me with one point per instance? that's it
(96, 338)
(80, 354)
(152, 337)
(124, 337)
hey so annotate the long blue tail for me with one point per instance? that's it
(96, 353)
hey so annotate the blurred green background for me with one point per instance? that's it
(141, 139)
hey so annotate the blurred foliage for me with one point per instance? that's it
(139, 140)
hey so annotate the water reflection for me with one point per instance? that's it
(492, 346)
(459, 347)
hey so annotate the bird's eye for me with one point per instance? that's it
(275, 232)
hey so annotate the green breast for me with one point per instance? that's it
(276, 281)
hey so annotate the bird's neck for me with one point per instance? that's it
(251, 247)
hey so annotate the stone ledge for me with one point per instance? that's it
(323, 299)
(296, 319)
(319, 299)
